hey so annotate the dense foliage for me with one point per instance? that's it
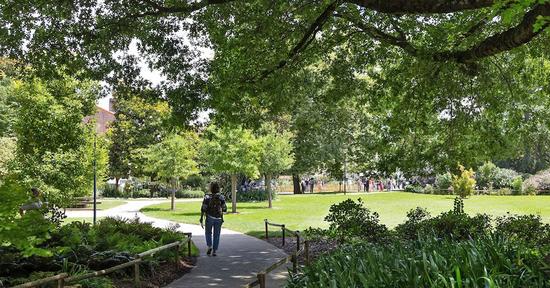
(78, 247)
(452, 249)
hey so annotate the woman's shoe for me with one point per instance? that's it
(214, 253)
(209, 251)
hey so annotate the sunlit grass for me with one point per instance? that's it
(299, 212)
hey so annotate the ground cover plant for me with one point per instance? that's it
(79, 247)
(300, 212)
(452, 249)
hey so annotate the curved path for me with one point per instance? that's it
(239, 258)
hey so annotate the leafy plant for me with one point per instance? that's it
(464, 183)
(428, 262)
(349, 219)
(444, 181)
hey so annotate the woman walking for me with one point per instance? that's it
(213, 206)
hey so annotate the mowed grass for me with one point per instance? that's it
(108, 204)
(299, 212)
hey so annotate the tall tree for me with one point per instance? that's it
(138, 123)
(173, 159)
(54, 147)
(275, 155)
(87, 37)
(231, 150)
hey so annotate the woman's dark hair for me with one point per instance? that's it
(214, 187)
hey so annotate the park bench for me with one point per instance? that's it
(83, 202)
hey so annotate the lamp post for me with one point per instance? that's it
(95, 178)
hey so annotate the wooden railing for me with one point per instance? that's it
(64, 278)
(284, 230)
(262, 275)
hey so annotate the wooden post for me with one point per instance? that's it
(266, 230)
(177, 256)
(283, 229)
(297, 241)
(294, 261)
(61, 283)
(189, 246)
(136, 275)
(307, 251)
(261, 279)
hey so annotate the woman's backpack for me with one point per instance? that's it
(214, 207)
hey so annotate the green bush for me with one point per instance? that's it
(189, 194)
(256, 195)
(464, 183)
(428, 189)
(444, 181)
(454, 224)
(517, 186)
(504, 191)
(411, 228)
(485, 176)
(414, 188)
(430, 262)
(350, 220)
(528, 228)
(504, 178)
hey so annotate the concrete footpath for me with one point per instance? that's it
(239, 258)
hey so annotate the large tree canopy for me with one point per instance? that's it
(254, 39)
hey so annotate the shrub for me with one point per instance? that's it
(539, 181)
(464, 184)
(255, 195)
(189, 194)
(444, 181)
(348, 219)
(430, 262)
(411, 228)
(504, 178)
(414, 188)
(517, 186)
(485, 175)
(528, 228)
(504, 191)
(454, 224)
(428, 189)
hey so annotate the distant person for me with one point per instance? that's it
(311, 184)
(304, 185)
(213, 206)
(366, 184)
(34, 203)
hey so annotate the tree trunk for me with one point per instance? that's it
(117, 180)
(296, 184)
(268, 189)
(173, 200)
(234, 193)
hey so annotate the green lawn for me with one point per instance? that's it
(108, 204)
(302, 211)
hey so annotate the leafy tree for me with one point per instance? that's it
(173, 159)
(231, 150)
(246, 35)
(54, 148)
(7, 153)
(275, 155)
(139, 123)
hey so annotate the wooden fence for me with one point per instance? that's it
(300, 249)
(64, 278)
